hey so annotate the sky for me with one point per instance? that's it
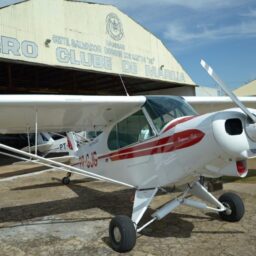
(223, 32)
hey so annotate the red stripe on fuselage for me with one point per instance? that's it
(179, 121)
(141, 146)
(151, 144)
(174, 142)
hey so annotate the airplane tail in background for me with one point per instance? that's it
(72, 143)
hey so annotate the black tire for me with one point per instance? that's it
(122, 233)
(235, 207)
(66, 180)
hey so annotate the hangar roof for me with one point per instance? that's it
(64, 45)
(247, 89)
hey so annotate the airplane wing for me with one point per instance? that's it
(211, 104)
(21, 113)
(41, 147)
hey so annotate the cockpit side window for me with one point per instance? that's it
(132, 129)
(163, 109)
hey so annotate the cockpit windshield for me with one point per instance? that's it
(163, 109)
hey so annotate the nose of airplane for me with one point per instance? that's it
(238, 138)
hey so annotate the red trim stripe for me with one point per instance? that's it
(177, 141)
(151, 144)
(179, 121)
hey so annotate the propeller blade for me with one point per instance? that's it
(225, 88)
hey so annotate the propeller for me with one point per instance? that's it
(251, 127)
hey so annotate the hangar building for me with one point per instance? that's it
(76, 47)
(247, 89)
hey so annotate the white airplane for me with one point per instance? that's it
(54, 143)
(146, 143)
(46, 144)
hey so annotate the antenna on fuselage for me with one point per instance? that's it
(127, 94)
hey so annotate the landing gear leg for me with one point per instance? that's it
(66, 179)
(122, 229)
(229, 206)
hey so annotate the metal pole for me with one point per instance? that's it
(29, 148)
(36, 134)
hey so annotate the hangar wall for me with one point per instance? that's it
(65, 33)
(247, 89)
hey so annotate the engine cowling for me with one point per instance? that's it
(229, 132)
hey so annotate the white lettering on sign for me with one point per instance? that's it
(14, 47)
(83, 58)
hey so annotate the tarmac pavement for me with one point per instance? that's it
(40, 216)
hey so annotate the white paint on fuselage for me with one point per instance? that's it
(176, 166)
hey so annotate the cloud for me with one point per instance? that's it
(251, 13)
(195, 4)
(181, 32)
(175, 19)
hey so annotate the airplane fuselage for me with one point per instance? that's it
(186, 147)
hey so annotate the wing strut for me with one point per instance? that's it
(36, 129)
(29, 148)
(67, 168)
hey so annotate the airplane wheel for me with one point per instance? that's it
(235, 207)
(66, 180)
(122, 233)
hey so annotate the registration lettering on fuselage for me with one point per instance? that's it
(89, 160)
